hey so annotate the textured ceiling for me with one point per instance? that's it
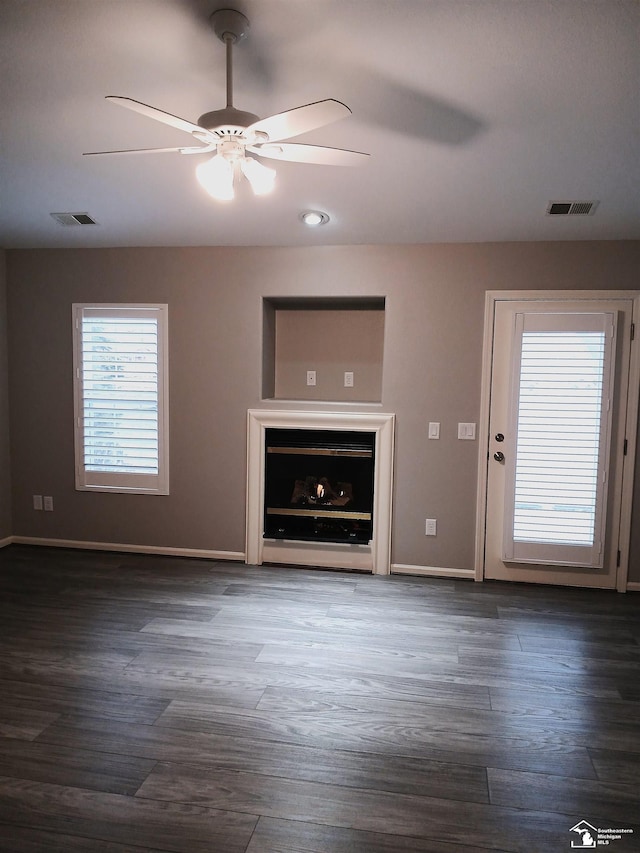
(476, 115)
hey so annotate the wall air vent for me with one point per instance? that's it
(74, 219)
(571, 208)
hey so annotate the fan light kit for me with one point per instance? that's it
(237, 138)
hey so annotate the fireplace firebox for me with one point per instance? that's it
(319, 485)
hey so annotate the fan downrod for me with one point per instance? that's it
(231, 27)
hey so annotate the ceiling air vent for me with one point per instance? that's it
(74, 219)
(571, 208)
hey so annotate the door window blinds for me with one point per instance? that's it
(560, 428)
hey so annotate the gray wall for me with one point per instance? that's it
(5, 468)
(329, 342)
(432, 370)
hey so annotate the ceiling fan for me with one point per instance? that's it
(235, 137)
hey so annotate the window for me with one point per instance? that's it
(561, 418)
(120, 398)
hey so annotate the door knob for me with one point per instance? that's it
(498, 456)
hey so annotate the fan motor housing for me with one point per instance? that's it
(227, 122)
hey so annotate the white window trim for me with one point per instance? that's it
(116, 482)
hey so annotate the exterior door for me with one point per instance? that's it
(556, 443)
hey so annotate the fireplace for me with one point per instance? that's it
(319, 485)
(319, 489)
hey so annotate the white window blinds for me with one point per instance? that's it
(560, 428)
(121, 397)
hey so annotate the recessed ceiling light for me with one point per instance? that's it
(313, 218)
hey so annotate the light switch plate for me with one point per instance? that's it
(434, 430)
(467, 431)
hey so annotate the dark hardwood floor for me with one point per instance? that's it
(159, 704)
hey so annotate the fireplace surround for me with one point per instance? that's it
(319, 489)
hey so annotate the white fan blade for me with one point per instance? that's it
(158, 115)
(301, 119)
(317, 154)
(200, 149)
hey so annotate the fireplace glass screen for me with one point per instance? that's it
(319, 485)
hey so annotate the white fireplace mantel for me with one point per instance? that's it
(374, 557)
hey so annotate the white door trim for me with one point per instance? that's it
(631, 413)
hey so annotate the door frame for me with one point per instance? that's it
(629, 412)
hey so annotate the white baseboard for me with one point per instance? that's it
(432, 571)
(130, 549)
(235, 556)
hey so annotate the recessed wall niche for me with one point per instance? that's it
(330, 336)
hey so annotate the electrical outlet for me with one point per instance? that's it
(37, 502)
(348, 379)
(311, 377)
(430, 527)
(48, 503)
